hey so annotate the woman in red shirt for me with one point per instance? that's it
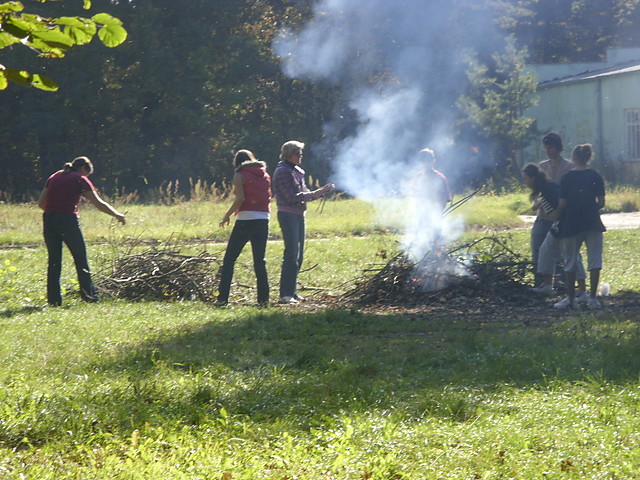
(252, 191)
(59, 200)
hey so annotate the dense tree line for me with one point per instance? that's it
(197, 79)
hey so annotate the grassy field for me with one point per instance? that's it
(182, 390)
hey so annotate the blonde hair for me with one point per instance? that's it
(289, 148)
(582, 154)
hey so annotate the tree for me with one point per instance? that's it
(561, 31)
(51, 37)
(493, 108)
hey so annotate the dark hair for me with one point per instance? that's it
(554, 140)
(539, 179)
(582, 154)
(77, 164)
(243, 156)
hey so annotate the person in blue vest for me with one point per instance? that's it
(251, 205)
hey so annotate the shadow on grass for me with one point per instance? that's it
(11, 312)
(271, 365)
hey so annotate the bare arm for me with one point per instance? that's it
(238, 192)
(103, 206)
(42, 200)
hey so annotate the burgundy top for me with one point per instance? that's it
(64, 191)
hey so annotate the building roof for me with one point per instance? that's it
(614, 70)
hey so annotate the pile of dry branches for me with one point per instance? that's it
(160, 273)
(487, 267)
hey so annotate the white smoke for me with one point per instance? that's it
(417, 50)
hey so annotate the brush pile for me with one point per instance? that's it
(161, 273)
(485, 269)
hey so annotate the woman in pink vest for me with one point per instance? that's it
(252, 191)
(59, 200)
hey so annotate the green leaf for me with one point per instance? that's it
(44, 83)
(17, 27)
(7, 39)
(11, 7)
(87, 4)
(81, 30)
(71, 21)
(106, 19)
(47, 50)
(112, 35)
(55, 39)
(20, 77)
(4, 82)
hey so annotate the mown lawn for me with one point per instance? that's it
(183, 390)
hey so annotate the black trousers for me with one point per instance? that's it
(59, 229)
(256, 232)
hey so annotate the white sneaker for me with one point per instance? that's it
(566, 302)
(582, 298)
(546, 290)
(298, 298)
(287, 300)
(593, 303)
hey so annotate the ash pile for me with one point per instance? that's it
(486, 271)
(160, 273)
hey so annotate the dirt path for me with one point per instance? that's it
(613, 221)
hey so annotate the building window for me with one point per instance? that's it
(633, 133)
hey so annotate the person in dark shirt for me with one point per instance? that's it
(582, 195)
(545, 196)
(59, 200)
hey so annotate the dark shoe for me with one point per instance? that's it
(220, 303)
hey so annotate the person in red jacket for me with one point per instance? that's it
(252, 191)
(59, 200)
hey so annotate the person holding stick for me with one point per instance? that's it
(292, 195)
(59, 200)
(252, 190)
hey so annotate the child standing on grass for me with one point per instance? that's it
(582, 196)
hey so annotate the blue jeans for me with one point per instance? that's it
(292, 227)
(64, 228)
(256, 232)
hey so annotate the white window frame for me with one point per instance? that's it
(632, 122)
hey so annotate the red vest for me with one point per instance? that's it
(256, 184)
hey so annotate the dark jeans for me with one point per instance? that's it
(538, 234)
(292, 227)
(256, 232)
(64, 228)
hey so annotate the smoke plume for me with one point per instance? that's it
(403, 64)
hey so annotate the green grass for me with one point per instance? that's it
(20, 224)
(183, 390)
(153, 391)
